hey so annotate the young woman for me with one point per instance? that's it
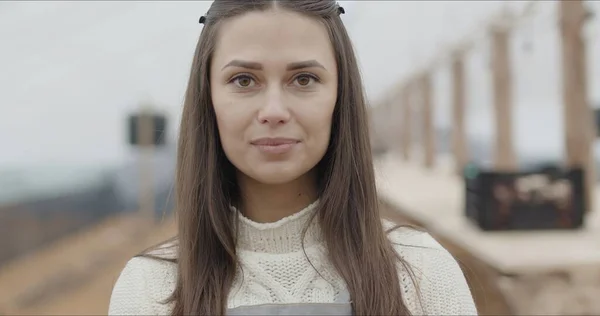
(276, 197)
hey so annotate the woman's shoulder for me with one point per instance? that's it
(410, 241)
(144, 283)
(440, 279)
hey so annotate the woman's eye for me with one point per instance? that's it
(305, 80)
(243, 81)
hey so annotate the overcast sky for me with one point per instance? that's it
(71, 71)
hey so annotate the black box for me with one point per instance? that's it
(548, 198)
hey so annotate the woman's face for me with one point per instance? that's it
(274, 85)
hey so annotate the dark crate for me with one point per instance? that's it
(549, 198)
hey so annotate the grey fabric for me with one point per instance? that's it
(341, 306)
(294, 309)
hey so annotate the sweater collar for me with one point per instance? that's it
(282, 236)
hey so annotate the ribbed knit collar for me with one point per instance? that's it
(282, 236)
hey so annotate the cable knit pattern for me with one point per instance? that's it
(275, 269)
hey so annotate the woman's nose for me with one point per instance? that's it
(274, 110)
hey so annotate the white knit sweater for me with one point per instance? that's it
(275, 270)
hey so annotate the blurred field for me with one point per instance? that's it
(75, 275)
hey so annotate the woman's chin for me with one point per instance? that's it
(275, 173)
(274, 177)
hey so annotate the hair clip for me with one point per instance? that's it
(202, 19)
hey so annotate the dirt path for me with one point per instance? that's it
(75, 275)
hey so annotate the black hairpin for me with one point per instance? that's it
(202, 19)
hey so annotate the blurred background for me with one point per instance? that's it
(73, 73)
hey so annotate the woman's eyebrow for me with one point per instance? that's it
(304, 64)
(243, 64)
(257, 66)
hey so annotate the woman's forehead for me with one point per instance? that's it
(273, 36)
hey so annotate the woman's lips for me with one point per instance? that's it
(278, 145)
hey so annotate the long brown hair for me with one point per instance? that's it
(347, 213)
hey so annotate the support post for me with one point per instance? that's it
(146, 150)
(459, 139)
(504, 153)
(428, 122)
(407, 116)
(579, 128)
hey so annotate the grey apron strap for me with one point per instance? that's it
(341, 306)
(341, 309)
